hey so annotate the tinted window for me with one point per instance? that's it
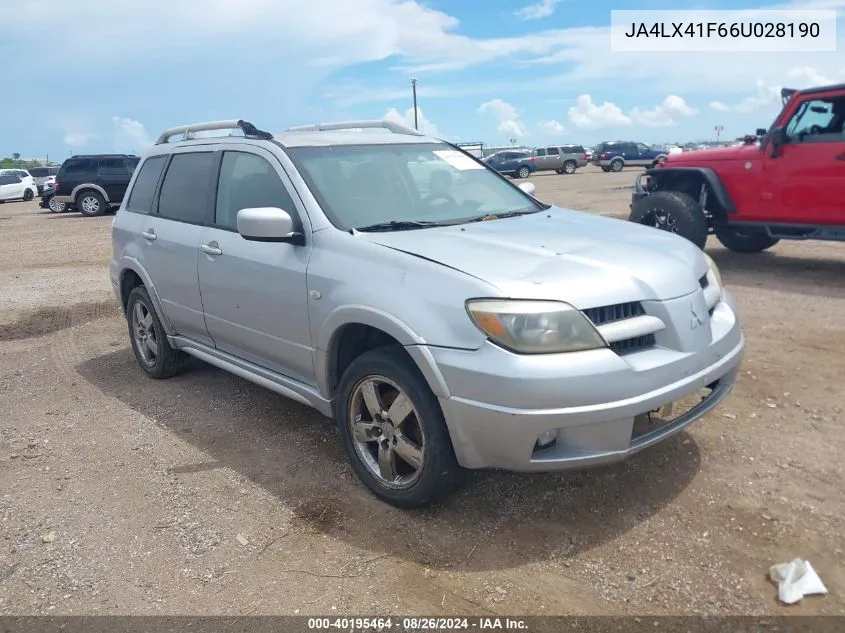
(53, 171)
(133, 163)
(39, 172)
(76, 167)
(184, 192)
(9, 180)
(141, 197)
(643, 148)
(248, 181)
(553, 151)
(541, 152)
(112, 165)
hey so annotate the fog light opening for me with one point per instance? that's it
(546, 439)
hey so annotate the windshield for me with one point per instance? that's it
(365, 185)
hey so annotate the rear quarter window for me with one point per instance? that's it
(143, 191)
(75, 168)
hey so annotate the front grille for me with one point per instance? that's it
(617, 312)
(620, 312)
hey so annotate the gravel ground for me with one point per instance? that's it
(205, 494)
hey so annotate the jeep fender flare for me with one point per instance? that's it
(412, 342)
(714, 183)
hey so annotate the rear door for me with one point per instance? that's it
(113, 177)
(171, 235)
(554, 159)
(10, 187)
(254, 293)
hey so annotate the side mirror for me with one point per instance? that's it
(528, 187)
(778, 139)
(268, 224)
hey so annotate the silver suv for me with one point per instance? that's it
(444, 317)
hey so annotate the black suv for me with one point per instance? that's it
(94, 184)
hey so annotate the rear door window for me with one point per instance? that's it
(185, 191)
(553, 151)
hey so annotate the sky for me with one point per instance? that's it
(110, 75)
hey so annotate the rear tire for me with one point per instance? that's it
(379, 445)
(28, 195)
(569, 167)
(744, 242)
(523, 172)
(148, 338)
(605, 169)
(617, 164)
(90, 204)
(673, 212)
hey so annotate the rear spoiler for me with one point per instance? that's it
(786, 94)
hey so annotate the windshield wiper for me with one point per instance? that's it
(507, 214)
(398, 225)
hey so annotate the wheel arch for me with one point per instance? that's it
(80, 189)
(689, 180)
(132, 274)
(353, 329)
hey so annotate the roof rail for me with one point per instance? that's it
(187, 131)
(396, 128)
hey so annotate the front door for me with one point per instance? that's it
(254, 293)
(805, 182)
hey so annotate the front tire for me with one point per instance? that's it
(90, 204)
(149, 340)
(393, 431)
(673, 212)
(523, 172)
(743, 241)
(55, 206)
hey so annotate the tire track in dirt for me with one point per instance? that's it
(53, 319)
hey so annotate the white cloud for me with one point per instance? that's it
(553, 127)
(78, 139)
(130, 135)
(542, 9)
(667, 114)
(806, 77)
(407, 119)
(719, 106)
(507, 116)
(587, 115)
(766, 96)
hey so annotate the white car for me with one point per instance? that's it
(17, 184)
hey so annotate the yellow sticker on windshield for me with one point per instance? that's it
(458, 160)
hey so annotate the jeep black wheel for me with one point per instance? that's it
(673, 212)
(393, 430)
(90, 204)
(617, 164)
(744, 241)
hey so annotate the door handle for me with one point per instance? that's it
(211, 249)
(149, 235)
(840, 157)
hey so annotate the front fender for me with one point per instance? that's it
(413, 343)
(127, 264)
(714, 183)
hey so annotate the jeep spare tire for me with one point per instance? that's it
(673, 212)
(744, 241)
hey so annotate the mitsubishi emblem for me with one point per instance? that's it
(697, 319)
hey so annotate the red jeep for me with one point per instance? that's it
(788, 185)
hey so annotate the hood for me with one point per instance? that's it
(702, 156)
(581, 258)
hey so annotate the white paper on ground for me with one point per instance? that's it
(458, 160)
(796, 579)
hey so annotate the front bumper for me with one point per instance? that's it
(501, 403)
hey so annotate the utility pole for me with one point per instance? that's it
(414, 89)
(719, 129)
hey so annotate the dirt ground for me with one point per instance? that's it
(204, 494)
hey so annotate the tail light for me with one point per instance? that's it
(533, 159)
(585, 156)
(56, 187)
(602, 156)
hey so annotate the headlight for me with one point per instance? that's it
(714, 269)
(534, 327)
